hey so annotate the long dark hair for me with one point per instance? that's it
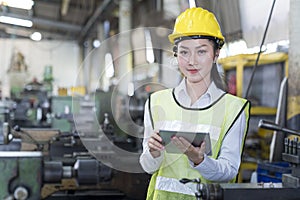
(216, 76)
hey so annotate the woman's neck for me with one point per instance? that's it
(196, 90)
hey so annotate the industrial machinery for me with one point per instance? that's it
(290, 154)
(289, 189)
(32, 107)
(86, 162)
(245, 191)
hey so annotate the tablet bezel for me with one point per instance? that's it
(195, 138)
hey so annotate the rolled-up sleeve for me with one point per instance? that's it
(148, 163)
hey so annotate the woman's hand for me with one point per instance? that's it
(155, 144)
(195, 154)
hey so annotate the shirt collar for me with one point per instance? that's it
(213, 92)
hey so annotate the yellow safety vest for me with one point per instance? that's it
(216, 119)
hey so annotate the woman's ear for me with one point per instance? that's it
(217, 53)
(175, 49)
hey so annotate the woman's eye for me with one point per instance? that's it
(183, 53)
(202, 51)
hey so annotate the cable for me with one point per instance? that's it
(260, 50)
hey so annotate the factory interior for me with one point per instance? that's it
(75, 76)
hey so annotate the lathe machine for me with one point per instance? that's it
(46, 163)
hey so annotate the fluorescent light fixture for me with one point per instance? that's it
(36, 36)
(22, 4)
(15, 21)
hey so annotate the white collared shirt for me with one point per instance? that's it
(222, 169)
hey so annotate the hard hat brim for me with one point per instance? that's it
(175, 38)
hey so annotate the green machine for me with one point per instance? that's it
(63, 108)
(21, 175)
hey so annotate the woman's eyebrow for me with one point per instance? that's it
(197, 47)
(200, 46)
(183, 47)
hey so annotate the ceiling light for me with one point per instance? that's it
(23, 4)
(36, 36)
(96, 43)
(15, 21)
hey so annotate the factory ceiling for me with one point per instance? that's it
(78, 19)
(60, 19)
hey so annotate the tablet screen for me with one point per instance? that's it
(195, 138)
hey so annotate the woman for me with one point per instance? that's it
(198, 104)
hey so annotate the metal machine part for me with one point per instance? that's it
(273, 126)
(21, 175)
(118, 151)
(7, 142)
(32, 109)
(85, 171)
(250, 191)
(243, 191)
(291, 153)
(91, 172)
(53, 171)
(21, 193)
(24, 174)
(276, 146)
(5, 135)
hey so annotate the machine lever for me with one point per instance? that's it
(272, 126)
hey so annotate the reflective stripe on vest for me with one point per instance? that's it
(173, 185)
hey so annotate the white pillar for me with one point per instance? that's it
(124, 68)
(293, 106)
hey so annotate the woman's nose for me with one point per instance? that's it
(192, 59)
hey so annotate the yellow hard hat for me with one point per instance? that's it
(197, 23)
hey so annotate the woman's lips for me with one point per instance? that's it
(193, 71)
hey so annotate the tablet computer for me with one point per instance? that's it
(195, 138)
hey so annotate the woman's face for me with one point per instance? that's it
(195, 59)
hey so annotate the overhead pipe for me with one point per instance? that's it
(93, 19)
(45, 22)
